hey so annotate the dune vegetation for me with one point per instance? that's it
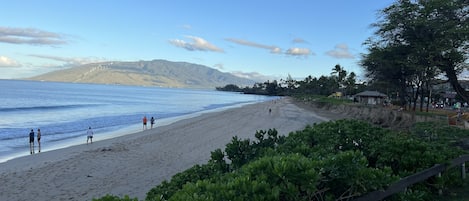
(336, 160)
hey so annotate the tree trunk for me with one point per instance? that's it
(415, 98)
(453, 80)
(402, 95)
(422, 100)
(429, 95)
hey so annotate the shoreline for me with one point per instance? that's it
(126, 130)
(133, 164)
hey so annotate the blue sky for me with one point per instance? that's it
(247, 37)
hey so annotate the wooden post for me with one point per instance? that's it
(463, 170)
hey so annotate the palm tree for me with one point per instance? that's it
(340, 73)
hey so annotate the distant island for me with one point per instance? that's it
(160, 73)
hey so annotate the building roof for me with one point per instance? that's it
(371, 94)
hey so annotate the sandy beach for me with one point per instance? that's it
(135, 163)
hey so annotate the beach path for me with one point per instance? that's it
(135, 163)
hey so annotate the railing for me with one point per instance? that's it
(416, 178)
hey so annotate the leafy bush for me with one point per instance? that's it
(289, 177)
(239, 152)
(115, 198)
(337, 160)
(347, 174)
(166, 189)
(439, 133)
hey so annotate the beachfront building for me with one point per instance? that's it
(371, 97)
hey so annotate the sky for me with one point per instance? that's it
(273, 38)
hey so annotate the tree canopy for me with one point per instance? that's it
(417, 41)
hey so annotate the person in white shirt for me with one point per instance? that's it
(89, 134)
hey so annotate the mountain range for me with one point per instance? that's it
(161, 73)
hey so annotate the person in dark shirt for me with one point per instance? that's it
(31, 141)
(152, 121)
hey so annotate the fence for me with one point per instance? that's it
(416, 178)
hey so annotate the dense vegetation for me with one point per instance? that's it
(416, 45)
(339, 160)
(339, 81)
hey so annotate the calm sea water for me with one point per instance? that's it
(63, 111)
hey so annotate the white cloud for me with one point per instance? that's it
(296, 51)
(219, 66)
(253, 76)
(30, 36)
(197, 44)
(273, 49)
(70, 60)
(8, 62)
(186, 26)
(276, 50)
(341, 51)
(300, 40)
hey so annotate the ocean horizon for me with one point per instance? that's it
(64, 111)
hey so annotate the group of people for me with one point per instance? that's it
(89, 135)
(152, 122)
(31, 140)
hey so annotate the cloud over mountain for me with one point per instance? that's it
(196, 44)
(252, 76)
(8, 62)
(272, 48)
(219, 66)
(30, 36)
(295, 51)
(70, 60)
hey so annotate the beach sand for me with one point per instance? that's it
(135, 163)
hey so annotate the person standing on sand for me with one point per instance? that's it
(144, 122)
(89, 135)
(152, 121)
(31, 141)
(39, 139)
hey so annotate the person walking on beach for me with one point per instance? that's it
(144, 122)
(39, 139)
(31, 141)
(89, 135)
(152, 121)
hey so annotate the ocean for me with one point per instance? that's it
(64, 111)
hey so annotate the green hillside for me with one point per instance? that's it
(146, 73)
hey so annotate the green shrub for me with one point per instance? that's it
(346, 175)
(115, 198)
(334, 160)
(167, 189)
(288, 177)
(239, 152)
(440, 133)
